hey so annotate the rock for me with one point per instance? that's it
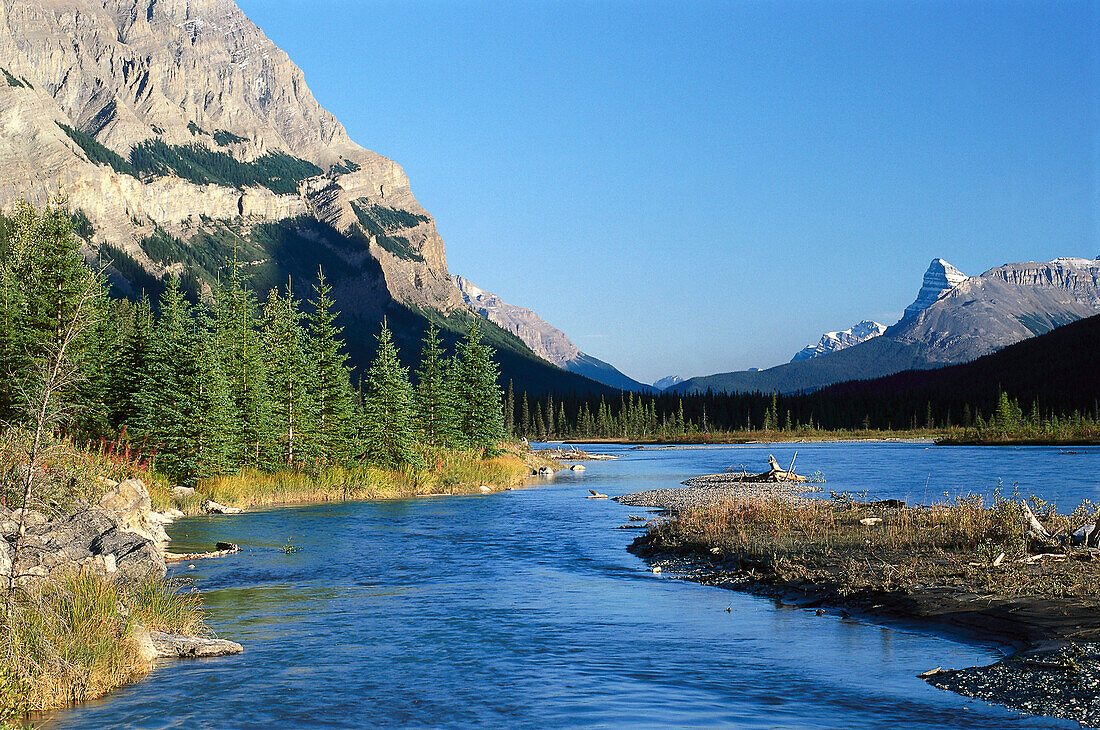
(147, 652)
(174, 645)
(1082, 534)
(5, 557)
(130, 501)
(219, 509)
(32, 518)
(174, 513)
(546, 471)
(593, 494)
(484, 489)
(656, 570)
(870, 521)
(182, 493)
(136, 556)
(577, 467)
(226, 546)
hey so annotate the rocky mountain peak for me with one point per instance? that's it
(170, 124)
(939, 278)
(834, 341)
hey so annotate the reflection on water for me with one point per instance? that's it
(524, 609)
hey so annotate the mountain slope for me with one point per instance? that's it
(186, 140)
(545, 340)
(975, 317)
(1058, 368)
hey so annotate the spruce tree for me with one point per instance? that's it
(242, 358)
(389, 434)
(434, 409)
(479, 416)
(334, 399)
(289, 376)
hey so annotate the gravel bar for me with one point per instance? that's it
(715, 488)
(1065, 684)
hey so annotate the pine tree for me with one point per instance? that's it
(525, 416)
(334, 400)
(289, 374)
(510, 412)
(434, 409)
(182, 406)
(479, 416)
(389, 435)
(242, 360)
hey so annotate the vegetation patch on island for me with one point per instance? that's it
(1011, 569)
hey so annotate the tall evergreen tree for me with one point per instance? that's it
(434, 409)
(479, 416)
(389, 434)
(289, 376)
(333, 396)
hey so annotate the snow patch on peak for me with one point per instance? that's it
(941, 277)
(667, 382)
(833, 341)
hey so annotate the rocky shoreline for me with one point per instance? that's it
(121, 538)
(1054, 671)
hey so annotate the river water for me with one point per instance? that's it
(524, 609)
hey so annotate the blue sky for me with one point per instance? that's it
(696, 187)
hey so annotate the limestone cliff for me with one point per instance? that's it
(178, 121)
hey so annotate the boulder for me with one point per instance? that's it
(147, 652)
(32, 518)
(135, 556)
(182, 493)
(219, 509)
(546, 471)
(174, 645)
(5, 557)
(1082, 534)
(484, 489)
(577, 467)
(130, 500)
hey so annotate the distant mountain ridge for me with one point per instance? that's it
(834, 341)
(976, 316)
(667, 382)
(545, 340)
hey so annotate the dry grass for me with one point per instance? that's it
(952, 544)
(72, 640)
(447, 472)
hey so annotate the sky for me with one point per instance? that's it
(697, 187)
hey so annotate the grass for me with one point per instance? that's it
(74, 640)
(953, 544)
(446, 472)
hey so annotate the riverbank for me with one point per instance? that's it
(759, 436)
(963, 567)
(441, 473)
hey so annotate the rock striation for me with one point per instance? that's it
(939, 278)
(545, 340)
(834, 341)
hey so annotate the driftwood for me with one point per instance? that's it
(1033, 528)
(223, 549)
(775, 474)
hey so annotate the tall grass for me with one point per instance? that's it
(446, 472)
(73, 640)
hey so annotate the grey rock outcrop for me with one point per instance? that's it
(116, 539)
(186, 73)
(939, 278)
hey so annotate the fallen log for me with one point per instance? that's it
(224, 548)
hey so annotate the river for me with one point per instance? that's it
(524, 609)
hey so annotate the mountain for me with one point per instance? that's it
(545, 340)
(833, 341)
(1001, 307)
(979, 315)
(667, 382)
(185, 140)
(1057, 368)
(939, 278)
